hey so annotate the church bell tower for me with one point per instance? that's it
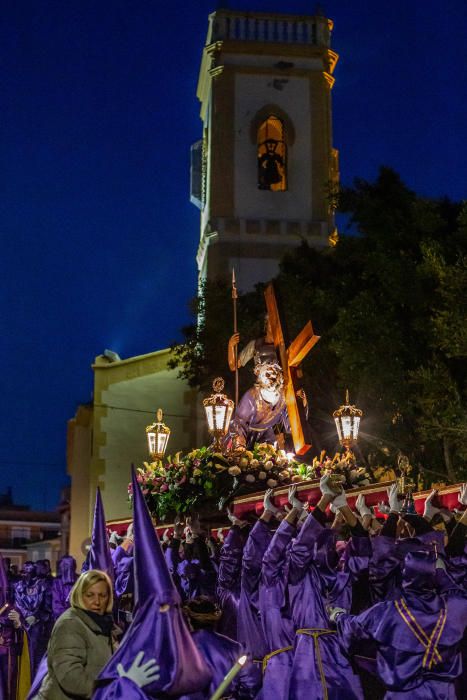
(264, 168)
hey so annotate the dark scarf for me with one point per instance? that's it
(105, 622)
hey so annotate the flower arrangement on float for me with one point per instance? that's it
(181, 484)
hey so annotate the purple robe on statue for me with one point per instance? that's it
(276, 617)
(418, 635)
(255, 418)
(320, 670)
(249, 628)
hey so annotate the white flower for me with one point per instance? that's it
(268, 465)
(250, 478)
(262, 475)
(234, 471)
(254, 463)
(272, 483)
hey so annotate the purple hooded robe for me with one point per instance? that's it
(276, 617)
(32, 601)
(418, 635)
(320, 669)
(62, 585)
(158, 627)
(10, 641)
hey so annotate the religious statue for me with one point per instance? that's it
(270, 407)
(261, 415)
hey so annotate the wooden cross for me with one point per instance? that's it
(290, 359)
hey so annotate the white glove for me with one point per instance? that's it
(362, 507)
(293, 500)
(325, 486)
(429, 510)
(115, 538)
(13, 615)
(340, 500)
(393, 497)
(462, 497)
(30, 620)
(268, 504)
(384, 508)
(333, 508)
(141, 674)
(334, 613)
(220, 536)
(165, 535)
(233, 518)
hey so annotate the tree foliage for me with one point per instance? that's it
(390, 304)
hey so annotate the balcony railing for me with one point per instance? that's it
(289, 30)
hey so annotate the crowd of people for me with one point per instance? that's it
(328, 603)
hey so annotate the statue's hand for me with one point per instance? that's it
(234, 340)
(301, 395)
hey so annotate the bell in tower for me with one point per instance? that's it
(262, 171)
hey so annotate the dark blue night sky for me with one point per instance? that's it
(98, 236)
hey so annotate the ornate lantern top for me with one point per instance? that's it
(347, 418)
(219, 409)
(158, 436)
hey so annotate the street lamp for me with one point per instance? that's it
(219, 411)
(347, 418)
(158, 436)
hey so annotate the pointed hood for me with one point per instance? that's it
(99, 556)
(158, 627)
(152, 577)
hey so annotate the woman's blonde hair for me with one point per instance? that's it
(84, 582)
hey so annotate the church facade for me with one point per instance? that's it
(264, 171)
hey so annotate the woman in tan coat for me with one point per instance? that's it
(81, 642)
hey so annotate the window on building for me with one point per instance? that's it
(20, 533)
(272, 155)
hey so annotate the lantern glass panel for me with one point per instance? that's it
(210, 416)
(356, 426)
(152, 443)
(161, 442)
(219, 416)
(338, 426)
(346, 427)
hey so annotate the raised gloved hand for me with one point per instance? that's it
(340, 500)
(362, 507)
(294, 501)
(462, 497)
(115, 538)
(165, 535)
(334, 613)
(429, 510)
(384, 508)
(268, 504)
(141, 674)
(325, 486)
(393, 497)
(234, 520)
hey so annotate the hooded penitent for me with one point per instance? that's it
(62, 585)
(158, 626)
(99, 556)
